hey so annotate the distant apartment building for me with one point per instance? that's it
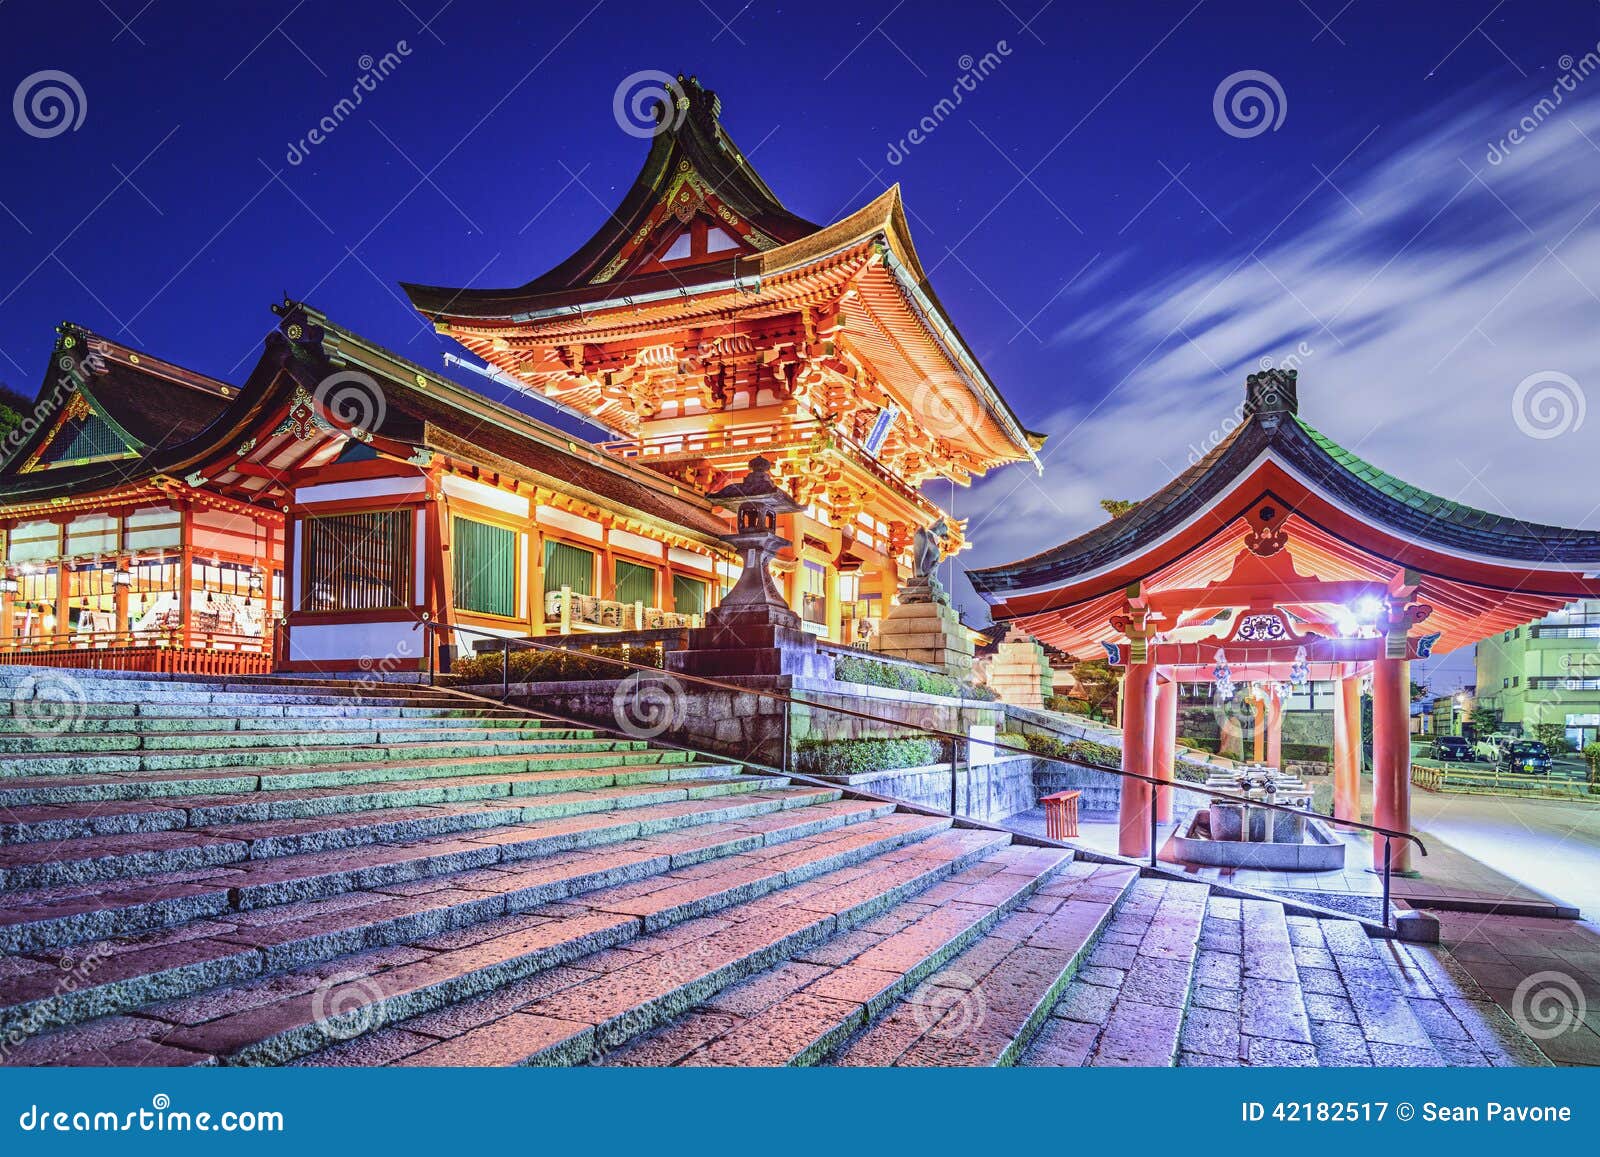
(1547, 671)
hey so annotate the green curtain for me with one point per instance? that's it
(688, 595)
(635, 583)
(568, 566)
(485, 561)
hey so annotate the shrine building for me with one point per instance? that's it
(705, 323)
(1277, 559)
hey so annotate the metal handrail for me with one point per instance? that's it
(505, 644)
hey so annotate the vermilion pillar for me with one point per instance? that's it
(1391, 757)
(1138, 728)
(1347, 756)
(1165, 747)
(1275, 730)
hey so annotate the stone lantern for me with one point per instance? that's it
(755, 501)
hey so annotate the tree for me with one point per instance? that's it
(1117, 507)
(1591, 756)
(12, 406)
(1553, 736)
(1485, 720)
(1419, 691)
(1096, 684)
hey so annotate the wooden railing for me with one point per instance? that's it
(158, 652)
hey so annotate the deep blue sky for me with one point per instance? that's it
(1117, 295)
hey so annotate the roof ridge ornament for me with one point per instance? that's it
(1271, 394)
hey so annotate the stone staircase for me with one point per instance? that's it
(272, 871)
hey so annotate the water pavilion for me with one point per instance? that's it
(1281, 557)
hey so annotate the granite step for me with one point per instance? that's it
(64, 821)
(799, 1010)
(1127, 1005)
(234, 945)
(348, 731)
(1398, 1005)
(25, 766)
(600, 1002)
(133, 715)
(985, 1005)
(129, 727)
(31, 919)
(1248, 1005)
(23, 792)
(301, 1010)
(110, 857)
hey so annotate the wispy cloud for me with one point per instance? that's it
(1416, 295)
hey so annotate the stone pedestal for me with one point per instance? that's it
(925, 628)
(1019, 672)
(753, 641)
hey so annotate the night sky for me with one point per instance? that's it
(1117, 258)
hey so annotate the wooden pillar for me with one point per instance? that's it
(185, 575)
(1275, 730)
(1164, 749)
(1391, 757)
(1138, 729)
(1347, 755)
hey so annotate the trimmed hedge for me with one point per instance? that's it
(538, 666)
(1078, 750)
(876, 673)
(861, 756)
(1066, 705)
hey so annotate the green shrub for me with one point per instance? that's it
(1077, 750)
(860, 756)
(876, 673)
(541, 666)
(1307, 752)
(1066, 705)
(1591, 756)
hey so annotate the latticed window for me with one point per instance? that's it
(688, 595)
(635, 583)
(83, 437)
(485, 564)
(358, 562)
(568, 566)
(814, 592)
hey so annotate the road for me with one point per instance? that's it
(1551, 846)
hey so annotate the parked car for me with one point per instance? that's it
(1490, 748)
(1527, 757)
(1453, 749)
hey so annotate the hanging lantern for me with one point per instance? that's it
(1298, 671)
(1223, 674)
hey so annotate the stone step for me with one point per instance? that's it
(347, 731)
(33, 766)
(1374, 1002)
(602, 1001)
(23, 792)
(798, 1011)
(135, 715)
(271, 719)
(477, 904)
(249, 845)
(985, 1005)
(1248, 1004)
(295, 1012)
(64, 821)
(52, 917)
(37, 698)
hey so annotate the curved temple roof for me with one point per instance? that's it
(642, 270)
(1334, 501)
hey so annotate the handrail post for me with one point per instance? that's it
(788, 707)
(1152, 796)
(1388, 852)
(505, 671)
(955, 754)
